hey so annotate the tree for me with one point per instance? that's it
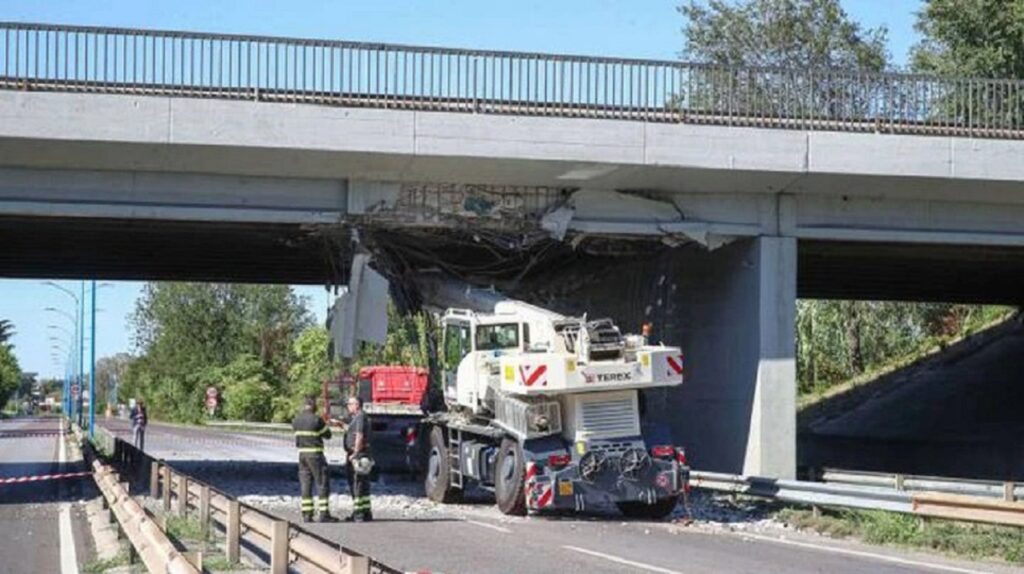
(310, 366)
(111, 372)
(759, 53)
(6, 331)
(185, 331)
(793, 34)
(974, 38)
(247, 389)
(10, 374)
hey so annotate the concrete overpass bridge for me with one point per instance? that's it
(703, 198)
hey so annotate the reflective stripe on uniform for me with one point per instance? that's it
(311, 449)
(324, 430)
(362, 503)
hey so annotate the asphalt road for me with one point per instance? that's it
(413, 534)
(41, 527)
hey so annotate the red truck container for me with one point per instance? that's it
(402, 385)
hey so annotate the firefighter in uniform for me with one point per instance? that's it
(310, 433)
(357, 447)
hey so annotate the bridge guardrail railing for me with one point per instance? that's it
(979, 504)
(288, 546)
(329, 72)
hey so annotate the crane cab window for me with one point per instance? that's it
(456, 343)
(496, 337)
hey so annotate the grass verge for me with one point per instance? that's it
(954, 538)
(221, 564)
(184, 528)
(101, 566)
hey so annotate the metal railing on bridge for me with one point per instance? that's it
(188, 64)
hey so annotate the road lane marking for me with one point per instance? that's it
(491, 526)
(68, 558)
(862, 554)
(622, 561)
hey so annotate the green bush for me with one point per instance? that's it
(247, 389)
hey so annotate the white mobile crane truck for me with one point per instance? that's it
(544, 409)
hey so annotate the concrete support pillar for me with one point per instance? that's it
(771, 441)
(734, 316)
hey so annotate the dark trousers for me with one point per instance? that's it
(313, 468)
(139, 437)
(359, 488)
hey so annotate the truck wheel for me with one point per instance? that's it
(436, 482)
(660, 509)
(509, 473)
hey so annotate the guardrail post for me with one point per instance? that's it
(899, 481)
(350, 564)
(154, 479)
(233, 531)
(182, 495)
(167, 488)
(1009, 491)
(279, 548)
(204, 511)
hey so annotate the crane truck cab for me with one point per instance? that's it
(544, 409)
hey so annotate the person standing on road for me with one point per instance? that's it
(310, 433)
(139, 419)
(357, 447)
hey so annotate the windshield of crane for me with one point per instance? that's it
(495, 337)
(456, 343)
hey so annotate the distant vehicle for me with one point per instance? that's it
(542, 409)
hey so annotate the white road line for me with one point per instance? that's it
(862, 554)
(623, 561)
(68, 558)
(491, 526)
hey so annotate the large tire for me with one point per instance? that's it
(660, 509)
(509, 474)
(436, 476)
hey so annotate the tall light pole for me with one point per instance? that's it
(80, 328)
(81, 351)
(92, 369)
(70, 374)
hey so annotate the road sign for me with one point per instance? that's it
(211, 402)
(211, 392)
(74, 390)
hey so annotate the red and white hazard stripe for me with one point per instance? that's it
(533, 375)
(547, 495)
(675, 364)
(38, 477)
(27, 434)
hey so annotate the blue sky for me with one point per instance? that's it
(629, 28)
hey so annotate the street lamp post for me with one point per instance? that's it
(79, 322)
(70, 374)
(81, 351)
(92, 369)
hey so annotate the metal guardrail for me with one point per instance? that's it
(871, 493)
(289, 547)
(1008, 491)
(325, 72)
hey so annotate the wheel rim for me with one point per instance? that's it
(508, 466)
